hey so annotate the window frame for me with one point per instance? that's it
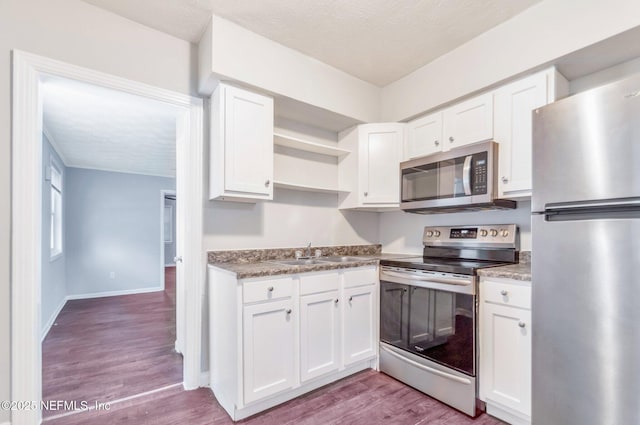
(56, 210)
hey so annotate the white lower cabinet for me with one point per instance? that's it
(269, 348)
(505, 349)
(275, 338)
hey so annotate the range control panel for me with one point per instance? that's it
(484, 235)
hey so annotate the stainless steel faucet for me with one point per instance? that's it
(309, 250)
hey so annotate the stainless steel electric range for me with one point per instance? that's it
(428, 310)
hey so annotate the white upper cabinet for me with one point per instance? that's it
(468, 122)
(424, 136)
(370, 174)
(514, 105)
(241, 163)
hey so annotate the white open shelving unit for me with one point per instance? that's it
(314, 163)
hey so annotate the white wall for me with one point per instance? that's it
(537, 36)
(113, 231)
(232, 52)
(292, 219)
(401, 232)
(81, 34)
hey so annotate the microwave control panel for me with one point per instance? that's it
(479, 174)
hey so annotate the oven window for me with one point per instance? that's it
(433, 181)
(434, 324)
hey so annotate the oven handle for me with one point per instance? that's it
(445, 280)
(466, 175)
(427, 368)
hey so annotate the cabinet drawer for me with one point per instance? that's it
(315, 283)
(269, 289)
(360, 276)
(506, 293)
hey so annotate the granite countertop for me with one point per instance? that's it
(260, 262)
(520, 271)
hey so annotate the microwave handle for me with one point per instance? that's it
(466, 175)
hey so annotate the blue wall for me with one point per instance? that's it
(53, 290)
(113, 231)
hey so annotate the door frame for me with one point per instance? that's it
(26, 209)
(163, 264)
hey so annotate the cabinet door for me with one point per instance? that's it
(424, 136)
(505, 374)
(248, 141)
(514, 105)
(380, 155)
(359, 333)
(319, 334)
(468, 122)
(268, 348)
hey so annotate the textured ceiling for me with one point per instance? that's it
(376, 40)
(98, 128)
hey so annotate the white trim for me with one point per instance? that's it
(114, 293)
(54, 143)
(114, 170)
(170, 265)
(52, 319)
(204, 379)
(26, 227)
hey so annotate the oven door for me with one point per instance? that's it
(431, 315)
(455, 178)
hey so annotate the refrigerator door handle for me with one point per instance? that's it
(466, 174)
(607, 203)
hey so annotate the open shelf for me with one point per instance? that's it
(305, 145)
(305, 188)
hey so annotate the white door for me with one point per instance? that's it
(319, 334)
(268, 349)
(248, 142)
(424, 136)
(381, 152)
(359, 333)
(468, 122)
(506, 357)
(514, 105)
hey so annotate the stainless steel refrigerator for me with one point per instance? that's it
(586, 258)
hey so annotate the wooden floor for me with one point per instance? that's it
(81, 364)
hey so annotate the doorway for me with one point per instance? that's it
(29, 71)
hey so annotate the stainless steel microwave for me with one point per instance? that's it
(462, 179)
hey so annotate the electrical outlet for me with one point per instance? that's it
(112, 275)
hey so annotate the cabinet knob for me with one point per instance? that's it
(337, 300)
(350, 299)
(451, 139)
(503, 293)
(270, 289)
(288, 311)
(366, 194)
(505, 180)
(436, 142)
(521, 324)
(267, 183)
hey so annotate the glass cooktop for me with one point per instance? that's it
(444, 265)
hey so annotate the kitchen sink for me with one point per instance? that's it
(342, 259)
(300, 262)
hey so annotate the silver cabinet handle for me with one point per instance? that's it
(366, 194)
(350, 299)
(270, 289)
(503, 293)
(466, 174)
(505, 179)
(288, 311)
(521, 324)
(436, 143)
(177, 259)
(451, 139)
(336, 301)
(267, 183)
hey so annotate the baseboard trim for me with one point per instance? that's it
(52, 320)
(170, 265)
(204, 379)
(114, 293)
